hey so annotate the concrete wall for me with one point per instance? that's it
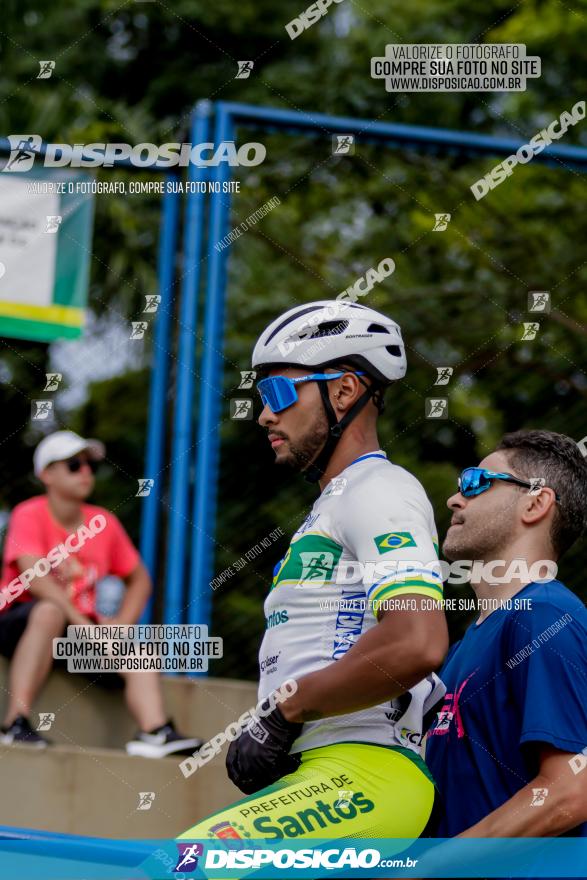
(86, 784)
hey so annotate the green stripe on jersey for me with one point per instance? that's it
(419, 585)
(310, 560)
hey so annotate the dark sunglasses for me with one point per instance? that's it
(75, 464)
(474, 481)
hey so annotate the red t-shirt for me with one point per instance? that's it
(77, 558)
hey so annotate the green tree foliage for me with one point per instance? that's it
(132, 73)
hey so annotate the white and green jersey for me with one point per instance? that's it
(370, 539)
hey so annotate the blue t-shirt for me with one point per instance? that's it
(516, 679)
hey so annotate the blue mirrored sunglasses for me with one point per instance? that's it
(474, 481)
(279, 392)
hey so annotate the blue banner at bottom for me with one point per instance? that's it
(63, 857)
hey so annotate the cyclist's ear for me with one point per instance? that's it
(538, 506)
(346, 390)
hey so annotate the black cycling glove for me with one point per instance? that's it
(260, 755)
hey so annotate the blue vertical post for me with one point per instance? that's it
(207, 448)
(155, 446)
(184, 397)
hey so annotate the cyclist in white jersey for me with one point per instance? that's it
(349, 615)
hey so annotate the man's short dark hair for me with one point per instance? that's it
(558, 460)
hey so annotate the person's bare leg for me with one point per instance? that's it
(33, 658)
(144, 698)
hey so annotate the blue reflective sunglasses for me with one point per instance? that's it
(474, 481)
(280, 392)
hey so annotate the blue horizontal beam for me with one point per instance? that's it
(100, 850)
(414, 135)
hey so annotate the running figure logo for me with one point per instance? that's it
(23, 149)
(46, 719)
(247, 379)
(444, 375)
(52, 223)
(188, 857)
(436, 408)
(138, 329)
(42, 409)
(152, 301)
(343, 145)
(451, 712)
(530, 331)
(536, 484)
(441, 222)
(316, 568)
(539, 301)
(145, 486)
(46, 69)
(53, 380)
(146, 799)
(344, 798)
(241, 409)
(336, 487)
(245, 68)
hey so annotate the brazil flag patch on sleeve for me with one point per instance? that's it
(394, 541)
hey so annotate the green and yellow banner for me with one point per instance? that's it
(45, 249)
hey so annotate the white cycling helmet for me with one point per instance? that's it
(327, 333)
(331, 331)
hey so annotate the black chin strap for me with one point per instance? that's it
(316, 470)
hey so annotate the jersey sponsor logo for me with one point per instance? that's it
(394, 541)
(320, 815)
(410, 737)
(309, 562)
(225, 830)
(277, 617)
(309, 521)
(269, 664)
(349, 621)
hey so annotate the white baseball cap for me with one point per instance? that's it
(62, 445)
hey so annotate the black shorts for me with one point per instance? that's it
(13, 623)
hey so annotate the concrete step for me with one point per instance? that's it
(88, 714)
(86, 784)
(97, 792)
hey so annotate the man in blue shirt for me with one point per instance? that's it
(508, 751)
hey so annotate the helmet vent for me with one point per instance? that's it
(395, 350)
(377, 328)
(291, 318)
(329, 328)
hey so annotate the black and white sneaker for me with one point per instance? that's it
(21, 733)
(162, 742)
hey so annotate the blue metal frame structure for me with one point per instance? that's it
(186, 372)
(155, 443)
(193, 465)
(228, 118)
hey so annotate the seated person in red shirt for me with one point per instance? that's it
(65, 464)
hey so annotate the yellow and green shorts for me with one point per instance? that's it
(342, 790)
